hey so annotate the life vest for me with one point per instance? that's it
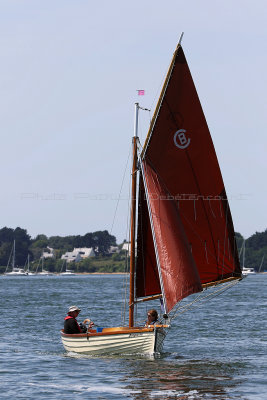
(69, 317)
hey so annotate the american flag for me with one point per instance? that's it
(141, 92)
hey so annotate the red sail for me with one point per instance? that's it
(180, 151)
(147, 277)
(178, 274)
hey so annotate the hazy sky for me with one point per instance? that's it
(69, 72)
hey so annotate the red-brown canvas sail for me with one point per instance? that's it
(178, 274)
(147, 277)
(180, 153)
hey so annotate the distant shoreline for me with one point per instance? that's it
(100, 273)
(85, 273)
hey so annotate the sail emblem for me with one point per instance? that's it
(180, 140)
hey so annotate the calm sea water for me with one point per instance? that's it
(216, 351)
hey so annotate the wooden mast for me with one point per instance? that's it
(133, 217)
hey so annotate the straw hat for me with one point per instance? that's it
(74, 308)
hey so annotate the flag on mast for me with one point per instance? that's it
(141, 92)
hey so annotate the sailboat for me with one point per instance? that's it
(16, 271)
(246, 270)
(43, 271)
(67, 271)
(27, 270)
(185, 235)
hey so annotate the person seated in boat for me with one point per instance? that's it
(72, 326)
(152, 317)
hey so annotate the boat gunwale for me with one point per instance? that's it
(109, 331)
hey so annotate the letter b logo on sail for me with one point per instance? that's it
(180, 140)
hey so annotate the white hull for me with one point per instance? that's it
(16, 272)
(248, 271)
(116, 341)
(44, 273)
(67, 273)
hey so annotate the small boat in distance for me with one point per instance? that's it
(43, 271)
(185, 235)
(16, 271)
(245, 270)
(248, 271)
(27, 270)
(67, 271)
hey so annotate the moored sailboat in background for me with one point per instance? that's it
(185, 235)
(245, 270)
(43, 271)
(67, 271)
(16, 271)
(27, 267)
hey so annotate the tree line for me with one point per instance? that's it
(100, 241)
(255, 250)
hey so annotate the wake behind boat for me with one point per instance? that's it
(185, 235)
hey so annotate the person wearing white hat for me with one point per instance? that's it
(71, 325)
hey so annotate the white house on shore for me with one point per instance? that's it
(113, 250)
(48, 254)
(127, 247)
(78, 254)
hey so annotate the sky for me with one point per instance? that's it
(69, 75)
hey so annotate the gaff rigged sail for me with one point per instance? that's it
(180, 166)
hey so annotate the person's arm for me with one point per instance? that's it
(89, 322)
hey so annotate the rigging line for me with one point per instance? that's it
(140, 230)
(161, 97)
(126, 268)
(123, 305)
(160, 87)
(219, 291)
(185, 307)
(154, 238)
(241, 249)
(203, 299)
(11, 253)
(210, 294)
(225, 235)
(116, 209)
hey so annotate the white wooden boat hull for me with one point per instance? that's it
(248, 271)
(121, 341)
(16, 273)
